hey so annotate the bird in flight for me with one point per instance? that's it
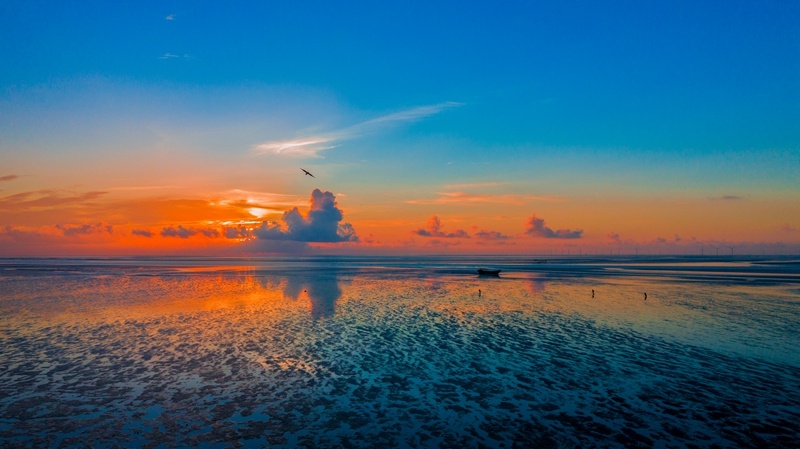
(307, 172)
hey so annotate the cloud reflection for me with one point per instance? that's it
(322, 290)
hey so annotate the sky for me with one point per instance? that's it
(569, 127)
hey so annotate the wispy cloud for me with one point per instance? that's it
(299, 147)
(169, 55)
(8, 178)
(312, 145)
(43, 199)
(787, 228)
(259, 204)
(468, 198)
(728, 198)
(140, 188)
(170, 17)
(476, 185)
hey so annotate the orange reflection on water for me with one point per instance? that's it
(219, 299)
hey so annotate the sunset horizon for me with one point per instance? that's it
(582, 128)
(418, 224)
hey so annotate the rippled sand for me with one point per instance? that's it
(241, 357)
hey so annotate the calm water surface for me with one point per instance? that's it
(397, 352)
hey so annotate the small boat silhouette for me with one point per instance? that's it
(488, 272)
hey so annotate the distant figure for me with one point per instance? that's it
(307, 172)
(592, 293)
(645, 296)
(479, 293)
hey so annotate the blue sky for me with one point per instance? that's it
(544, 98)
(653, 76)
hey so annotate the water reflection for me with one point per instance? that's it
(322, 290)
(537, 285)
(228, 355)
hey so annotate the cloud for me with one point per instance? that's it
(21, 235)
(298, 147)
(614, 237)
(490, 235)
(185, 233)
(8, 178)
(180, 231)
(789, 229)
(43, 199)
(170, 17)
(142, 233)
(537, 228)
(311, 146)
(169, 55)
(728, 198)
(433, 229)
(473, 185)
(258, 204)
(87, 229)
(321, 224)
(237, 232)
(208, 232)
(467, 198)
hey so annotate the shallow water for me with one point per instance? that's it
(398, 353)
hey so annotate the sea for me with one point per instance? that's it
(400, 352)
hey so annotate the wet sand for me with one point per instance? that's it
(388, 354)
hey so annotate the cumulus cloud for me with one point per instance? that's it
(86, 229)
(321, 223)
(142, 233)
(537, 228)
(312, 145)
(434, 229)
(614, 237)
(237, 232)
(8, 178)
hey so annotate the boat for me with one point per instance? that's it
(488, 272)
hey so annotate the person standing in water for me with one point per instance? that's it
(645, 296)
(592, 293)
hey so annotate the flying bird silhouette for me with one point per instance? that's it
(307, 172)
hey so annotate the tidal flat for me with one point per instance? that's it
(399, 352)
